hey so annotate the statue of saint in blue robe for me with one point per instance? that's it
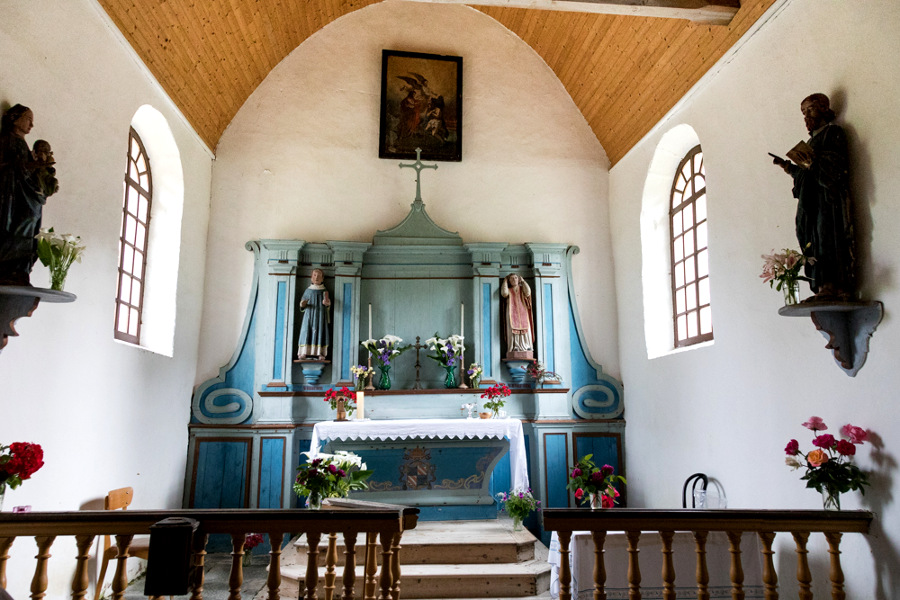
(315, 337)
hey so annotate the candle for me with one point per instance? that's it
(462, 319)
(370, 320)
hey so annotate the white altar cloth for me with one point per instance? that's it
(399, 429)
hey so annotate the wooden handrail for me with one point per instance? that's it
(376, 521)
(765, 523)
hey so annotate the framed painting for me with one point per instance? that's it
(421, 106)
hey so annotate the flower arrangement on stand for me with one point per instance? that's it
(475, 372)
(597, 484)
(829, 469)
(782, 272)
(330, 476)
(495, 398)
(383, 351)
(58, 252)
(360, 374)
(250, 542)
(539, 374)
(18, 462)
(518, 504)
(446, 353)
(343, 400)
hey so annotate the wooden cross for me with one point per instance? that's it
(418, 166)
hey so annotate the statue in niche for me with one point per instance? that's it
(518, 322)
(315, 337)
(27, 178)
(820, 170)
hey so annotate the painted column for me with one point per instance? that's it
(485, 303)
(348, 259)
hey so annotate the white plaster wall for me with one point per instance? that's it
(300, 161)
(729, 409)
(107, 414)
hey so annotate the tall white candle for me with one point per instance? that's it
(462, 319)
(370, 320)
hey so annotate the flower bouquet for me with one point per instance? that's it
(343, 400)
(446, 353)
(599, 485)
(383, 351)
(495, 397)
(475, 372)
(519, 504)
(18, 462)
(828, 466)
(539, 374)
(782, 272)
(250, 542)
(330, 476)
(58, 252)
(360, 374)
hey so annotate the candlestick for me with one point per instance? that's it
(462, 319)
(370, 320)
(462, 358)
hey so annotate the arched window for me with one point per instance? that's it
(690, 253)
(133, 242)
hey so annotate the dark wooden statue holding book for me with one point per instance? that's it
(820, 169)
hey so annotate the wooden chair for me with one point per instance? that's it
(140, 548)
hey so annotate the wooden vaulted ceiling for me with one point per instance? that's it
(623, 72)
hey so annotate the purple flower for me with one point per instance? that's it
(597, 476)
(607, 470)
(576, 472)
(333, 469)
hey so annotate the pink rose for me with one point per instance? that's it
(579, 494)
(816, 424)
(792, 448)
(826, 440)
(607, 501)
(817, 457)
(846, 448)
(857, 435)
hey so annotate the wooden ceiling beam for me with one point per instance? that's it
(710, 12)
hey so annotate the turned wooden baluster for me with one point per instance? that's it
(387, 579)
(5, 544)
(371, 567)
(836, 573)
(668, 565)
(634, 566)
(804, 577)
(565, 572)
(312, 564)
(120, 578)
(702, 569)
(737, 570)
(39, 582)
(349, 565)
(199, 561)
(770, 578)
(395, 565)
(236, 578)
(330, 562)
(599, 538)
(81, 580)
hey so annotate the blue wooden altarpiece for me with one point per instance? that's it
(250, 424)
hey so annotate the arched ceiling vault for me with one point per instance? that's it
(623, 72)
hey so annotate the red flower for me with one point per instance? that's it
(25, 460)
(792, 448)
(597, 476)
(579, 494)
(607, 470)
(607, 501)
(826, 440)
(846, 448)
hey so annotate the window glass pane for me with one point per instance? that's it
(692, 324)
(141, 164)
(678, 249)
(142, 209)
(691, 294)
(135, 289)
(679, 301)
(700, 208)
(135, 149)
(703, 290)
(125, 289)
(688, 245)
(132, 170)
(133, 321)
(139, 267)
(127, 258)
(702, 242)
(122, 324)
(145, 181)
(131, 196)
(703, 263)
(679, 274)
(680, 325)
(688, 216)
(705, 320)
(689, 274)
(677, 228)
(130, 225)
(139, 237)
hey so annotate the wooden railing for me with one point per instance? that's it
(765, 523)
(381, 524)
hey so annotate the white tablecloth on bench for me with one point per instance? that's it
(401, 429)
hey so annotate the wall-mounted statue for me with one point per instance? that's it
(820, 170)
(27, 178)
(315, 336)
(518, 322)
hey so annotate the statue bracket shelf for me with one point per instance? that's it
(17, 301)
(846, 325)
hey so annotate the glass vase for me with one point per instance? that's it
(450, 379)
(596, 501)
(831, 499)
(314, 501)
(384, 383)
(517, 523)
(791, 291)
(247, 558)
(2, 495)
(58, 279)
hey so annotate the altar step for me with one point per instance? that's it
(445, 559)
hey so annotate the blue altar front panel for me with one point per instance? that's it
(271, 472)
(221, 473)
